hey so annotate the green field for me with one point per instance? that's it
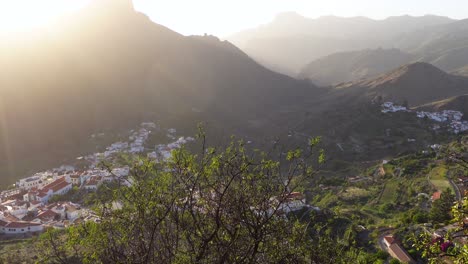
(351, 193)
(388, 195)
(438, 179)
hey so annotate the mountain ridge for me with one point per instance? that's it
(295, 44)
(354, 65)
(416, 83)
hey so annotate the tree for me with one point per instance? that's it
(441, 208)
(222, 205)
(420, 217)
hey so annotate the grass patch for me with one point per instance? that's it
(438, 179)
(352, 193)
(388, 194)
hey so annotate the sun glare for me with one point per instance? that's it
(26, 15)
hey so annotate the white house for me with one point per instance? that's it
(93, 183)
(29, 183)
(17, 211)
(47, 216)
(60, 210)
(293, 202)
(57, 187)
(12, 228)
(289, 203)
(73, 211)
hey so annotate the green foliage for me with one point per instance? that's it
(420, 217)
(221, 205)
(441, 208)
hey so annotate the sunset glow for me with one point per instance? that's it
(221, 17)
(27, 15)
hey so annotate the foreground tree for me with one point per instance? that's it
(219, 206)
(441, 208)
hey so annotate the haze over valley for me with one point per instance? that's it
(104, 101)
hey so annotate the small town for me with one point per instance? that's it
(29, 208)
(452, 118)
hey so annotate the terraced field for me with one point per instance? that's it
(438, 179)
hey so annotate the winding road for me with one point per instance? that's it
(456, 189)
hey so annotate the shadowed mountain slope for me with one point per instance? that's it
(109, 67)
(354, 65)
(416, 84)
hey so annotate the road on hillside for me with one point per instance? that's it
(456, 189)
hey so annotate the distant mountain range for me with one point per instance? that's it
(354, 65)
(109, 67)
(293, 41)
(296, 45)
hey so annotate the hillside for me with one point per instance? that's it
(351, 123)
(108, 68)
(415, 84)
(354, 65)
(293, 41)
(462, 71)
(445, 46)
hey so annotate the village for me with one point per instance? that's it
(31, 207)
(28, 209)
(452, 118)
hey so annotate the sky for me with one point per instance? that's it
(224, 17)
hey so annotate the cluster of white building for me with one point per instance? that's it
(163, 151)
(135, 144)
(22, 217)
(451, 117)
(26, 208)
(390, 107)
(454, 118)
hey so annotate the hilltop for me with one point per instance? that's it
(416, 83)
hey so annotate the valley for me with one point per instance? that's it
(303, 140)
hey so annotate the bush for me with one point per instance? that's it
(420, 217)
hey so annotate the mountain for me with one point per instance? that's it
(462, 71)
(293, 41)
(415, 84)
(351, 123)
(108, 68)
(354, 65)
(458, 103)
(445, 46)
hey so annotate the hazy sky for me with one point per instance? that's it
(224, 17)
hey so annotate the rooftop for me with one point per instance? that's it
(18, 224)
(389, 239)
(400, 253)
